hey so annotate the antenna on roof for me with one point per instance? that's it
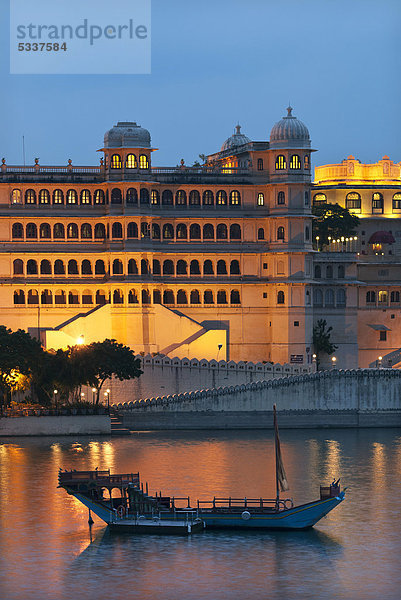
(23, 148)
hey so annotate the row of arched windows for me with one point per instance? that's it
(154, 231)
(131, 162)
(382, 297)
(353, 201)
(146, 197)
(329, 297)
(117, 297)
(99, 267)
(295, 162)
(329, 272)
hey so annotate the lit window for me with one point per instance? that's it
(261, 199)
(397, 201)
(280, 233)
(319, 199)
(281, 163)
(115, 162)
(85, 197)
(30, 197)
(44, 197)
(295, 162)
(353, 201)
(377, 203)
(143, 162)
(221, 198)
(306, 162)
(16, 197)
(181, 198)
(58, 197)
(208, 198)
(154, 197)
(383, 297)
(235, 198)
(72, 197)
(130, 161)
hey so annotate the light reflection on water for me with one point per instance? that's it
(46, 552)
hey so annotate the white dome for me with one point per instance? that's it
(237, 139)
(127, 135)
(289, 132)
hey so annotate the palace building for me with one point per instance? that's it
(211, 261)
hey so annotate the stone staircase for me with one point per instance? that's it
(117, 428)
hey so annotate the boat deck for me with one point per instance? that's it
(159, 526)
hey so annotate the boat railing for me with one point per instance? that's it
(239, 503)
(103, 478)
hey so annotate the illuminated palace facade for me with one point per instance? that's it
(212, 261)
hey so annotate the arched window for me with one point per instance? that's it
(353, 201)
(281, 163)
(341, 271)
(168, 297)
(208, 297)
(117, 231)
(31, 231)
(221, 267)
(168, 267)
(46, 297)
(377, 203)
(156, 267)
(181, 198)
(235, 232)
(181, 231)
(16, 197)
(132, 297)
(60, 297)
(280, 297)
(181, 267)
(100, 231)
(235, 297)
(221, 198)
(45, 231)
(33, 297)
(132, 267)
(118, 297)
(72, 197)
(87, 297)
(318, 271)
(195, 232)
(58, 231)
(155, 231)
(208, 198)
(72, 267)
(157, 297)
(30, 197)
(18, 267)
(341, 297)
(395, 297)
(145, 269)
(307, 234)
(154, 197)
(116, 196)
(143, 162)
(130, 162)
(295, 162)
(317, 297)
(99, 268)
(221, 231)
(17, 231)
(86, 231)
(72, 231)
(182, 297)
(329, 298)
(59, 268)
(260, 164)
(58, 197)
(280, 233)
(261, 233)
(397, 201)
(99, 197)
(144, 196)
(382, 297)
(86, 197)
(44, 197)
(168, 231)
(208, 268)
(86, 267)
(329, 272)
(235, 198)
(194, 198)
(31, 267)
(131, 196)
(100, 297)
(281, 198)
(145, 230)
(261, 199)
(117, 267)
(194, 268)
(132, 230)
(221, 297)
(235, 268)
(195, 297)
(208, 232)
(319, 199)
(19, 297)
(115, 162)
(306, 162)
(167, 198)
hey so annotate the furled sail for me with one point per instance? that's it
(281, 477)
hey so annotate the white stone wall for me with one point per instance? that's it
(60, 425)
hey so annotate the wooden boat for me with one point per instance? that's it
(135, 510)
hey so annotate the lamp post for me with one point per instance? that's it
(55, 392)
(93, 395)
(333, 361)
(314, 360)
(82, 396)
(317, 242)
(379, 362)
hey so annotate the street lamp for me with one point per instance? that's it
(55, 392)
(93, 395)
(80, 340)
(317, 242)
(106, 397)
(314, 359)
(333, 361)
(379, 362)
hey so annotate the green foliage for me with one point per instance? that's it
(321, 340)
(332, 220)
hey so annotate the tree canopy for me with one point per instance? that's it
(321, 340)
(332, 220)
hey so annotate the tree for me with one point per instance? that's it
(321, 340)
(332, 220)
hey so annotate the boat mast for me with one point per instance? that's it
(276, 454)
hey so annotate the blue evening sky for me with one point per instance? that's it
(216, 62)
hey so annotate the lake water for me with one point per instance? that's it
(47, 552)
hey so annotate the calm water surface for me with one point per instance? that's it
(47, 553)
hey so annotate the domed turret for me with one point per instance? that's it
(237, 139)
(127, 135)
(289, 132)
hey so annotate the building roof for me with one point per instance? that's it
(127, 134)
(382, 237)
(235, 140)
(289, 132)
